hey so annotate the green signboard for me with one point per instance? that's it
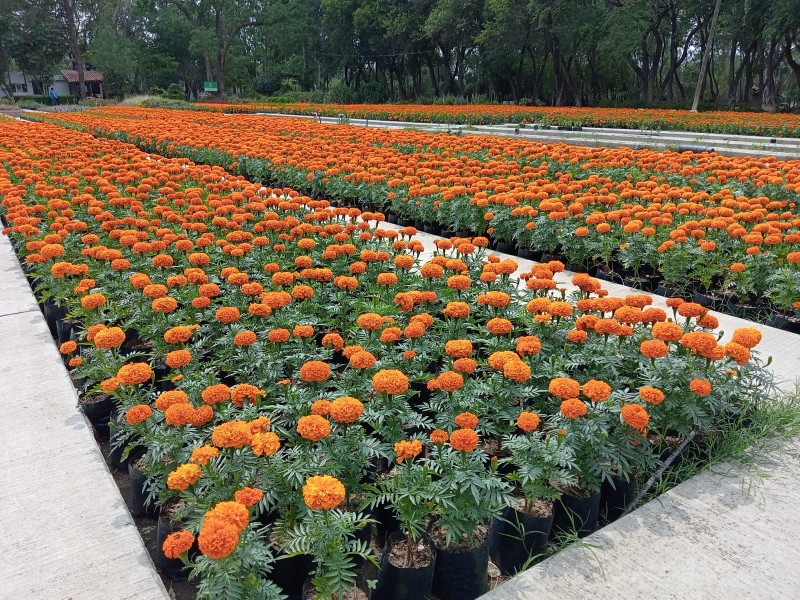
(210, 86)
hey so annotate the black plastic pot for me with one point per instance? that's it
(461, 575)
(53, 315)
(386, 523)
(171, 567)
(615, 496)
(139, 507)
(571, 513)
(397, 583)
(517, 538)
(419, 224)
(99, 414)
(290, 573)
(432, 228)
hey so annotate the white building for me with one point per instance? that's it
(65, 84)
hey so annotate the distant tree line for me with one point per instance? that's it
(555, 52)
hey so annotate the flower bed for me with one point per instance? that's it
(717, 121)
(724, 229)
(291, 373)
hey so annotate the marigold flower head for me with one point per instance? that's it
(653, 349)
(165, 305)
(737, 352)
(333, 340)
(303, 331)
(233, 434)
(92, 301)
(216, 393)
(439, 436)
(245, 391)
(596, 391)
(217, 538)
(464, 365)
(184, 476)
(321, 407)
(278, 336)
(467, 420)
(370, 321)
(248, 496)
(564, 387)
(701, 387)
(458, 348)
(346, 409)
(323, 492)
(573, 408)
(516, 370)
(634, 415)
(313, 427)
(494, 299)
(528, 345)
(450, 381)
(668, 332)
(138, 414)
(390, 381)
(497, 360)
(178, 358)
(227, 314)
(110, 385)
(68, 347)
(499, 326)
(456, 310)
(528, 421)
(465, 440)
(315, 371)
(178, 335)
(203, 454)
(231, 512)
(749, 337)
(650, 394)
(178, 415)
(245, 338)
(576, 336)
(407, 449)
(134, 373)
(177, 543)
(362, 360)
(265, 444)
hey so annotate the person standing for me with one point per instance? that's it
(53, 96)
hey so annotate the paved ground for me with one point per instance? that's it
(66, 533)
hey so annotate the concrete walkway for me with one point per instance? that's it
(66, 532)
(730, 532)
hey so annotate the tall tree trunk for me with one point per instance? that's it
(701, 81)
(769, 95)
(73, 40)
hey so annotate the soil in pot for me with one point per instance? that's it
(520, 535)
(310, 593)
(98, 409)
(615, 496)
(401, 579)
(171, 567)
(576, 511)
(462, 567)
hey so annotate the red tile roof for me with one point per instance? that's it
(89, 76)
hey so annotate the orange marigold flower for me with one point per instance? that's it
(134, 373)
(409, 354)
(635, 416)
(456, 310)
(178, 415)
(465, 440)
(109, 337)
(346, 409)
(467, 420)
(528, 421)
(738, 267)
(701, 387)
(576, 336)
(184, 476)
(572, 408)
(303, 331)
(370, 321)
(203, 454)
(109, 385)
(465, 365)
(178, 358)
(201, 302)
(321, 407)
(560, 309)
(458, 348)
(391, 334)
(170, 398)
(333, 340)
(315, 371)
(91, 301)
(138, 414)
(265, 444)
(68, 347)
(93, 330)
(439, 436)
(708, 321)
(749, 337)
(362, 360)
(668, 332)
(498, 326)
(564, 387)
(516, 370)
(227, 314)
(653, 349)
(450, 381)
(596, 391)
(164, 305)
(248, 496)
(279, 336)
(245, 338)
(233, 434)
(737, 352)
(313, 427)
(217, 538)
(201, 416)
(178, 335)
(75, 361)
(528, 345)
(497, 360)
(650, 394)
(323, 492)
(691, 309)
(234, 513)
(494, 299)
(390, 381)
(407, 449)
(245, 391)
(216, 393)
(177, 543)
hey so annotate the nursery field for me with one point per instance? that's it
(718, 121)
(722, 231)
(302, 395)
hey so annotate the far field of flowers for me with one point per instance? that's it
(717, 121)
(294, 375)
(724, 229)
